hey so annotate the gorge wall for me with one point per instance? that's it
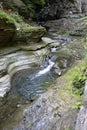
(64, 8)
(51, 9)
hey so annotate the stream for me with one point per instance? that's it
(28, 84)
(32, 82)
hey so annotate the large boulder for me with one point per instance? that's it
(14, 30)
(27, 34)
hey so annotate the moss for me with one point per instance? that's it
(77, 105)
(76, 80)
(31, 31)
(16, 17)
(10, 18)
(78, 77)
(83, 19)
(68, 129)
(69, 93)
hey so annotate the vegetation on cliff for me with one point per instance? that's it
(14, 29)
(11, 18)
(26, 8)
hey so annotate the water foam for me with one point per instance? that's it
(45, 70)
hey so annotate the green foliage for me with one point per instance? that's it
(83, 22)
(78, 73)
(32, 6)
(39, 2)
(31, 9)
(77, 105)
(4, 15)
(17, 18)
(77, 78)
(83, 19)
(11, 18)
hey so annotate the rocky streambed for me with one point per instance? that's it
(28, 71)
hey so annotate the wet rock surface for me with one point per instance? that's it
(50, 111)
(65, 9)
(53, 108)
(14, 31)
(81, 123)
(13, 60)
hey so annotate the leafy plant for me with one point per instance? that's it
(78, 78)
(11, 18)
(33, 6)
(77, 105)
(17, 18)
(83, 19)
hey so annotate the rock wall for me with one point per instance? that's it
(52, 9)
(63, 8)
(14, 32)
(15, 37)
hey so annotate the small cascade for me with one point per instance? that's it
(33, 82)
(45, 70)
(53, 49)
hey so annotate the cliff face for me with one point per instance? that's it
(64, 8)
(14, 32)
(52, 9)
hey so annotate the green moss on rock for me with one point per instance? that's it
(10, 18)
(29, 34)
(14, 30)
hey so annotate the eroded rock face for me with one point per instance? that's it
(7, 31)
(25, 35)
(10, 36)
(13, 60)
(15, 30)
(51, 112)
(66, 8)
(52, 9)
(81, 123)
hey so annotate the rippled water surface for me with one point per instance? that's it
(29, 86)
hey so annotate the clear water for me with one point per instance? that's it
(28, 87)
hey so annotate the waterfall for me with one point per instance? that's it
(47, 69)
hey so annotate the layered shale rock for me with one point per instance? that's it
(14, 32)
(13, 60)
(52, 111)
(27, 34)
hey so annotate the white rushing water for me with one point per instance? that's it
(53, 49)
(45, 70)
